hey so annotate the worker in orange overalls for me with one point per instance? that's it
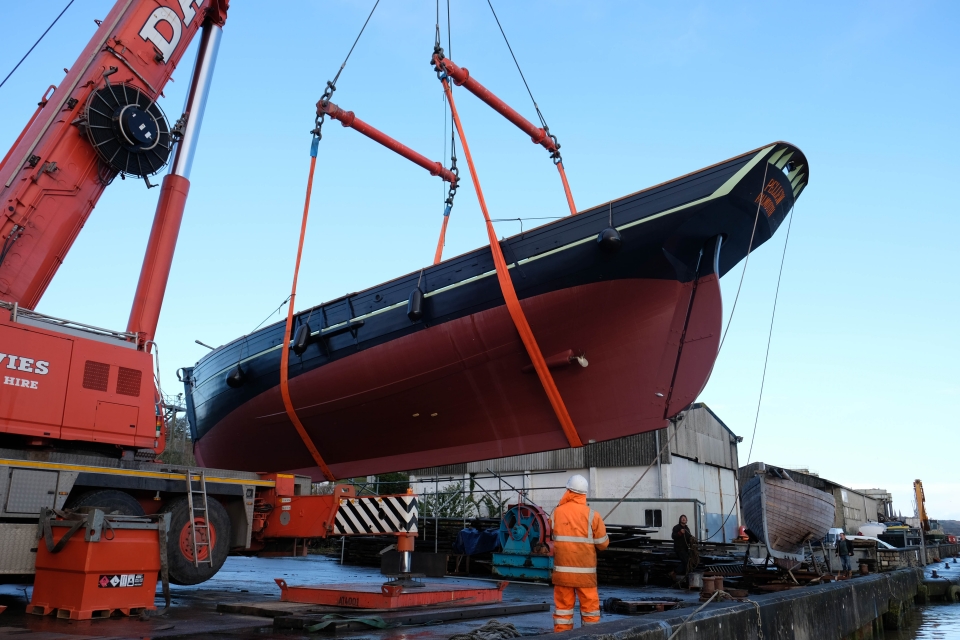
(578, 533)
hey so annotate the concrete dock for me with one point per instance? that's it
(856, 608)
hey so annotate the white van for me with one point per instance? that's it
(830, 540)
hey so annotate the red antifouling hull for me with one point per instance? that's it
(464, 390)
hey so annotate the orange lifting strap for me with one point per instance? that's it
(510, 295)
(285, 345)
(443, 239)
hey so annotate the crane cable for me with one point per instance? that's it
(773, 315)
(17, 66)
(510, 294)
(543, 122)
(766, 359)
(557, 159)
(452, 192)
(284, 345)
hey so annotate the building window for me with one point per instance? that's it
(652, 518)
(850, 513)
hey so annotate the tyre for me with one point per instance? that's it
(109, 500)
(180, 543)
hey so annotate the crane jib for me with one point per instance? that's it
(49, 184)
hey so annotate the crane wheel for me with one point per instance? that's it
(109, 500)
(180, 542)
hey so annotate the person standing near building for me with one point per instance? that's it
(684, 545)
(578, 533)
(844, 551)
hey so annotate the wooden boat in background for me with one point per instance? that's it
(785, 514)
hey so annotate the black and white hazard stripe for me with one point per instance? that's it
(371, 515)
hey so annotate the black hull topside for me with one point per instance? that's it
(665, 230)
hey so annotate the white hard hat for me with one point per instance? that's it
(577, 484)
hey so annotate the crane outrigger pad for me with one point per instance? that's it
(390, 596)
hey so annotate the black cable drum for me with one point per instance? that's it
(128, 130)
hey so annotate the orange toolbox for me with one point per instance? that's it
(90, 564)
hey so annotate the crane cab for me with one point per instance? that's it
(63, 380)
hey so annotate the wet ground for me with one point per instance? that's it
(194, 611)
(251, 580)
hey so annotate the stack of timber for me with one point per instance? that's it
(653, 562)
(785, 514)
(631, 559)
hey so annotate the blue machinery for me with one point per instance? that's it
(526, 544)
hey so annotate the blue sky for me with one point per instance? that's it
(863, 376)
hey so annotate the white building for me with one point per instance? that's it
(696, 476)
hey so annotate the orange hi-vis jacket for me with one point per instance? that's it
(578, 533)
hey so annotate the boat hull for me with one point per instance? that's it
(464, 390)
(785, 514)
(378, 390)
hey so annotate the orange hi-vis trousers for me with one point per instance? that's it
(564, 599)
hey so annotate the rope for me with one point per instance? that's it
(510, 295)
(285, 347)
(773, 315)
(493, 630)
(699, 609)
(769, 336)
(16, 66)
(676, 429)
(746, 261)
(520, 220)
(719, 593)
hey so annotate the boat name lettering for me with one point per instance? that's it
(775, 189)
(768, 204)
(771, 196)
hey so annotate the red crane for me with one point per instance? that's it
(66, 380)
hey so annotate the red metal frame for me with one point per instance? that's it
(350, 119)
(389, 596)
(461, 77)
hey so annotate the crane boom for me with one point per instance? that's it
(102, 120)
(921, 506)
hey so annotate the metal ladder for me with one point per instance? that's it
(199, 530)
